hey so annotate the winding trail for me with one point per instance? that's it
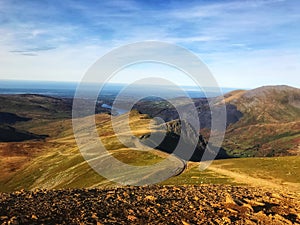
(240, 177)
(181, 164)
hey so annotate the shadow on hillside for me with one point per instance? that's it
(171, 141)
(11, 134)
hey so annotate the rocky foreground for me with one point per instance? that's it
(207, 204)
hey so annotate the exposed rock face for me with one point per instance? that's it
(177, 129)
(209, 204)
(179, 140)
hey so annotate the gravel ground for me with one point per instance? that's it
(205, 204)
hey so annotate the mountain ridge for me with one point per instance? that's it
(56, 162)
(248, 111)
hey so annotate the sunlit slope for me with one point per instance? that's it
(56, 161)
(261, 122)
(270, 125)
(275, 173)
(267, 104)
(59, 163)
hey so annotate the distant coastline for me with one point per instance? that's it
(68, 89)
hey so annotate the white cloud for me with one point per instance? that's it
(232, 37)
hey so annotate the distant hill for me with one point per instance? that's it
(268, 104)
(166, 111)
(270, 125)
(36, 106)
(19, 114)
(260, 122)
(28, 111)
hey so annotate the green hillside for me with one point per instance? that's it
(54, 161)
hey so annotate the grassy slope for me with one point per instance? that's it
(285, 169)
(276, 139)
(57, 163)
(276, 173)
(270, 125)
(60, 164)
(36, 107)
(194, 176)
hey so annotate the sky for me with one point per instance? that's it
(245, 44)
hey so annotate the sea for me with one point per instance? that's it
(68, 89)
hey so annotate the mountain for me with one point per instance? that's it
(269, 104)
(260, 122)
(34, 106)
(263, 122)
(165, 110)
(38, 107)
(270, 125)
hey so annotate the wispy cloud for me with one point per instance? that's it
(73, 34)
(29, 54)
(32, 51)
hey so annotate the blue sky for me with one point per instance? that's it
(245, 44)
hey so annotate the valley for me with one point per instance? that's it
(50, 158)
(254, 178)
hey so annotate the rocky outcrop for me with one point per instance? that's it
(179, 136)
(203, 204)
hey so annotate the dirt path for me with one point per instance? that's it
(255, 181)
(181, 164)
